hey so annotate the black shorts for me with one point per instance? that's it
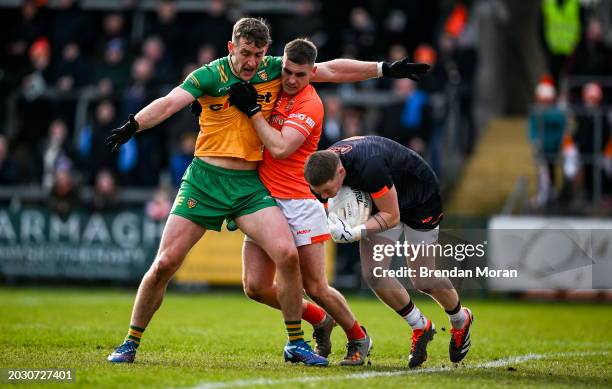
(425, 216)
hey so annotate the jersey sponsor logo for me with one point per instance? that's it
(266, 98)
(305, 118)
(191, 203)
(302, 232)
(341, 149)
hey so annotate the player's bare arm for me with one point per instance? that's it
(350, 70)
(281, 144)
(150, 116)
(388, 215)
(164, 107)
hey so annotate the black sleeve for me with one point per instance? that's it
(376, 176)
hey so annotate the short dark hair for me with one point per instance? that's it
(321, 167)
(253, 31)
(301, 51)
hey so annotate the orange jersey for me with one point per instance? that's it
(303, 112)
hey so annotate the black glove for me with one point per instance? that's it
(122, 134)
(196, 108)
(244, 96)
(404, 69)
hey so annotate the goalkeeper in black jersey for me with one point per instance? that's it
(406, 197)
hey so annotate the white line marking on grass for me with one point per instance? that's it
(394, 373)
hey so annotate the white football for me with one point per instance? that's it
(352, 205)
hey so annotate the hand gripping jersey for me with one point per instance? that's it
(224, 130)
(303, 112)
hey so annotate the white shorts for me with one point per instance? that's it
(307, 220)
(410, 235)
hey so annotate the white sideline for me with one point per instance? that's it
(395, 373)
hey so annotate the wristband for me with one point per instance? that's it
(379, 69)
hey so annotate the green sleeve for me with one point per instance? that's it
(199, 81)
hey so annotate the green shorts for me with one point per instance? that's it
(210, 194)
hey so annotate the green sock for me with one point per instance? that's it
(294, 331)
(134, 334)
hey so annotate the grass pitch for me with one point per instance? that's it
(225, 340)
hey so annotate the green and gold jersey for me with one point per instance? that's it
(224, 130)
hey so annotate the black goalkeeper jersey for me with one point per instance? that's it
(374, 164)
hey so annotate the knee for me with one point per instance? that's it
(286, 256)
(165, 265)
(253, 291)
(422, 285)
(316, 290)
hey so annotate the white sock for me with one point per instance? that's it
(415, 319)
(458, 319)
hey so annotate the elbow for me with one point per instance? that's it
(394, 220)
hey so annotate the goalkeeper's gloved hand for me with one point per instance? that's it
(404, 69)
(122, 134)
(195, 108)
(244, 96)
(341, 232)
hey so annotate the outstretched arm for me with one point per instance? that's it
(351, 70)
(164, 107)
(345, 70)
(150, 116)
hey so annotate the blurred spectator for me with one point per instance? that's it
(142, 167)
(591, 136)
(153, 49)
(71, 25)
(64, 196)
(304, 22)
(8, 168)
(170, 29)
(352, 123)
(359, 39)
(547, 125)
(182, 157)
(33, 25)
(93, 151)
(332, 122)
(72, 69)
(40, 73)
(562, 27)
(159, 207)
(459, 55)
(214, 27)
(140, 90)
(56, 150)
(113, 27)
(436, 79)
(206, 54)
(105, 192)
(592, 57)
(409, 121)
(113, 73)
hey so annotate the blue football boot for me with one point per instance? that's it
(125, 353)
(302, 352)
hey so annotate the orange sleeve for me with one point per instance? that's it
(305, 116)
(380, 193)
